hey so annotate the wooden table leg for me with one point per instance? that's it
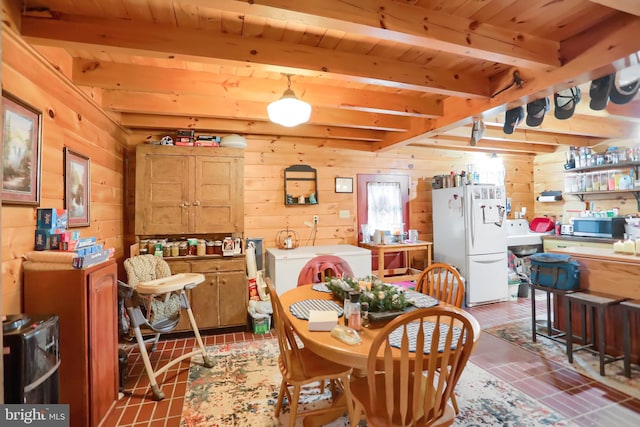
(381, 264)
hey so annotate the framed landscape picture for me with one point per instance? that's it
(76, 188)
(21, 146)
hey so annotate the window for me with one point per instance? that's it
(383, 202)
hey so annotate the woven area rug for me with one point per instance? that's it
(519, 333)
(242, 388)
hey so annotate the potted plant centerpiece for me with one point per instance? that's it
(385, 301)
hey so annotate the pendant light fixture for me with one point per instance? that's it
(289, 111)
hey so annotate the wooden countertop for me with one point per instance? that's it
(598, 254)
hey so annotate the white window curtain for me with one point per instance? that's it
(384, 203)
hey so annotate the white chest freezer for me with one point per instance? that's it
(284, 265)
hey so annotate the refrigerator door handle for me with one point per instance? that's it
(472, 222)
(489, 261)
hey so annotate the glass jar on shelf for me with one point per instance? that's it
(588, 182)
(570, 183)
(201, 248)
(604, 181)
(595, 181)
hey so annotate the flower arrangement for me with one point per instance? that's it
(380, 296)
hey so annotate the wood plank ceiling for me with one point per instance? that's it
(379, 74)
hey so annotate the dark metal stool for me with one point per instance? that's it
(628, 307)
(597, 302)
(552, 333)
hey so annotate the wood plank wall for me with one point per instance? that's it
(70, 119)
(266, 159)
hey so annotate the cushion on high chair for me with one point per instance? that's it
(143, 268)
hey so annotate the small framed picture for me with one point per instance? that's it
(21, 144)
(76, 188)
(344, 185)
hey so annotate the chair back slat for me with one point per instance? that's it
(289, 349)
(443, 282)
(434, 345)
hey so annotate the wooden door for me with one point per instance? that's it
(234, 295)
(204, 302)
(218, 194)
(103, 341)
(163, 199)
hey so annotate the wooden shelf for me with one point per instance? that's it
(301, 174)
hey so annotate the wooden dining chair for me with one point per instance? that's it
(409, 389)
(443, 282)
(300, 366)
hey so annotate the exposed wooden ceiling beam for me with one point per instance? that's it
(203, 106)
(141, 135)
(581, 125)
(529, 135)
(149, 39)
(221, 87)
(394, 21)
(483, 145)
(629, 6)
(223, 126)
(595, 60)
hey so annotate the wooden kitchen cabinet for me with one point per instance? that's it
(221, 300)
(188, 190)
(86, 302)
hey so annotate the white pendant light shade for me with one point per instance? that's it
(289, 111)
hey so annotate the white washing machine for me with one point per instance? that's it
(284, 265)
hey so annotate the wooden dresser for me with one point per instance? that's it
(86, 302)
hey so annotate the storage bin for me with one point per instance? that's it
(261, 326)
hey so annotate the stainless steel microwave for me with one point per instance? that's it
(608, 227)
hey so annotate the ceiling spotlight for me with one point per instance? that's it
(289, 111)
(477, 132)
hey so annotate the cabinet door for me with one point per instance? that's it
(219, 200)
(181, 267)
(163, 202)
(234, 296)
(204, 302)
(103, 341)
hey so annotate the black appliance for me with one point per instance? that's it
(31, 358)
(603, 227)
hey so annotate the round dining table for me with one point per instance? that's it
(324, 344)
(331, 348)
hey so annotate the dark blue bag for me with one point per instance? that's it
(557, 271)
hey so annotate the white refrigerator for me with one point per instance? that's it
(469, 232)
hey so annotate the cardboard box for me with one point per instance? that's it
(58, 239)
(50, 218)
(42, 241)
(322, 320)
(91, 259)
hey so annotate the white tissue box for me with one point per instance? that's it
(322, 320)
